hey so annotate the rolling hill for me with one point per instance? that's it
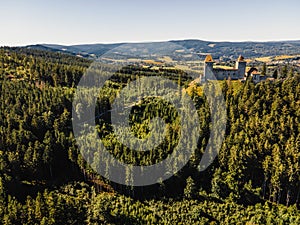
(226, 50)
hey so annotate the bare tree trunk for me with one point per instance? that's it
(50, 169)
(264, 188)
(274, 195)
(270, 192)
(279, 196)
(84, 175)
(298, 195)
(288, 194)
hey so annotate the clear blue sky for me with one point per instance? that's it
(96, 21)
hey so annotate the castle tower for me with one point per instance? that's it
(208, 67)
(241, 67)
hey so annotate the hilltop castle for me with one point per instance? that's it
(236, 73)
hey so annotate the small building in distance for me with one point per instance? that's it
(256, 75)
(211, 73)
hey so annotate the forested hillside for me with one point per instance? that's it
(44, 180)
(217, 49)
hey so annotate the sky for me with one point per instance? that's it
(71, 22)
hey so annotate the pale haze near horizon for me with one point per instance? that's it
(91, 21)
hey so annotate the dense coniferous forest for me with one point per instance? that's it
(44, 179)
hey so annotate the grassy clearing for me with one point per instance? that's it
(283, 57)
(150, 61)
(264, 59)
(195, 87)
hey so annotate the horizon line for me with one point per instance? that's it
(148, 41)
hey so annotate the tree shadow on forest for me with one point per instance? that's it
(61, 174)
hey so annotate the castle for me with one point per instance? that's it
(211, 73)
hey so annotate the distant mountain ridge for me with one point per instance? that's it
(230, 50)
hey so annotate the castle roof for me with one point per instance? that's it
(209, 58)
(227, 69)
(241, 59)
(255, 72)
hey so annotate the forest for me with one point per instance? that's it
(44, 179)
(226, 49)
